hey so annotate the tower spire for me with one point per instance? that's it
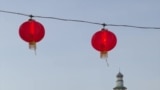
(119, 82)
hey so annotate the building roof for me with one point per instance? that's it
(119, 74)
(124, 88)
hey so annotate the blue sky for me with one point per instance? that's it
(65, 59)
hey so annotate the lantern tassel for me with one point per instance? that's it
(32, 45)
(104, 54)
(107, 62)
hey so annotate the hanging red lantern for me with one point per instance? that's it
(103, 41)
(32, 32)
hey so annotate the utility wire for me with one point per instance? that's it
(133, 26)
(74, 20)
(14, 13)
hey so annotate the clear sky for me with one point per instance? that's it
(65, 59)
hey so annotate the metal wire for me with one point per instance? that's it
(82, 21)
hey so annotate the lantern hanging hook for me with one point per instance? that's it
(104, 24)
(31, 16)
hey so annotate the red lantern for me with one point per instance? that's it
(32, 32)
(103, 41)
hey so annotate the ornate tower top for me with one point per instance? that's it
(119, 82)
(119, 75)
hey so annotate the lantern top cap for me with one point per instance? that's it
(31, 19)
(104, 29)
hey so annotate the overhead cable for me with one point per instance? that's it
(76, 20)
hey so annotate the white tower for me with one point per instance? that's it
(119, 82)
